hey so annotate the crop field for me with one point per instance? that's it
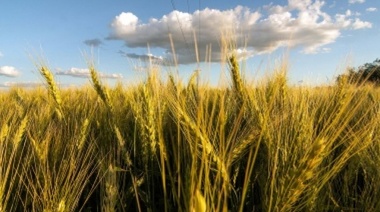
(169, 145)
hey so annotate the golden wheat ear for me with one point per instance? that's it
(53, 90)
(99, 88)
(236, 77)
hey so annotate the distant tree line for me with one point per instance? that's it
(367, 73)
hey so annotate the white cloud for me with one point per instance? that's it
(9, 71)
(299, 4)
(358, 24)
(371, 9)
(21, 84)
(301, 23)
(356, 1)
(75, 72)
(85, 73)
(350, 13)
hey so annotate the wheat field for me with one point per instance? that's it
(169, 145)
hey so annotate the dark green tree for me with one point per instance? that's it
(367, 73)
(371, 71)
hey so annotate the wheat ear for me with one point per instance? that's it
(99, 88)
(236, 77)
(53, 90)
(206, 146)
(304, 174)
(20, 132)
(243, 146)
(4, 132)
(83, 134)
(149, 124)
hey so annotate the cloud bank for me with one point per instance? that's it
(85, 73)
(9, 71)
(301, 23)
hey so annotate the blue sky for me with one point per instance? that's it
(319, 37)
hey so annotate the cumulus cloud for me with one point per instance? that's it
(301, 23)
(93, 42)
(9, 71)
(371, 9)
(356, 1)
(85, 73)
(358, 24)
